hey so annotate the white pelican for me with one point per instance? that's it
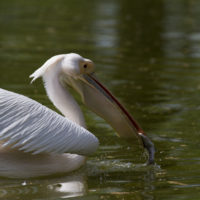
(36, 141)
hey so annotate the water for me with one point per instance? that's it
(147, 53)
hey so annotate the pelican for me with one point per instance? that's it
(37, 141)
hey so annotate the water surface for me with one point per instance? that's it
(147, 53)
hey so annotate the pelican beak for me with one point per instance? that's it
(100, 100)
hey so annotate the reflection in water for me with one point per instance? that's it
(69, 186)
(104, 27)
(181, 32)
(75, 185)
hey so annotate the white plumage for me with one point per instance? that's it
(34, 128)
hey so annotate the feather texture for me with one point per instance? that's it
(31, 127)
(48, 64)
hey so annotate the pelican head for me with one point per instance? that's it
(72, 70)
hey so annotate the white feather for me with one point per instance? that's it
(32, 127)
(48, 64)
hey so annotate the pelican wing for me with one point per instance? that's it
(31, 127)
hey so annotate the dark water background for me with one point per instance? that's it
(148, 54)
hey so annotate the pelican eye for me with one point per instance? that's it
(85, 66)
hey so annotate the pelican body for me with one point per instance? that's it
(36, 141)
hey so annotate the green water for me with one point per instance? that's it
(148, 54)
